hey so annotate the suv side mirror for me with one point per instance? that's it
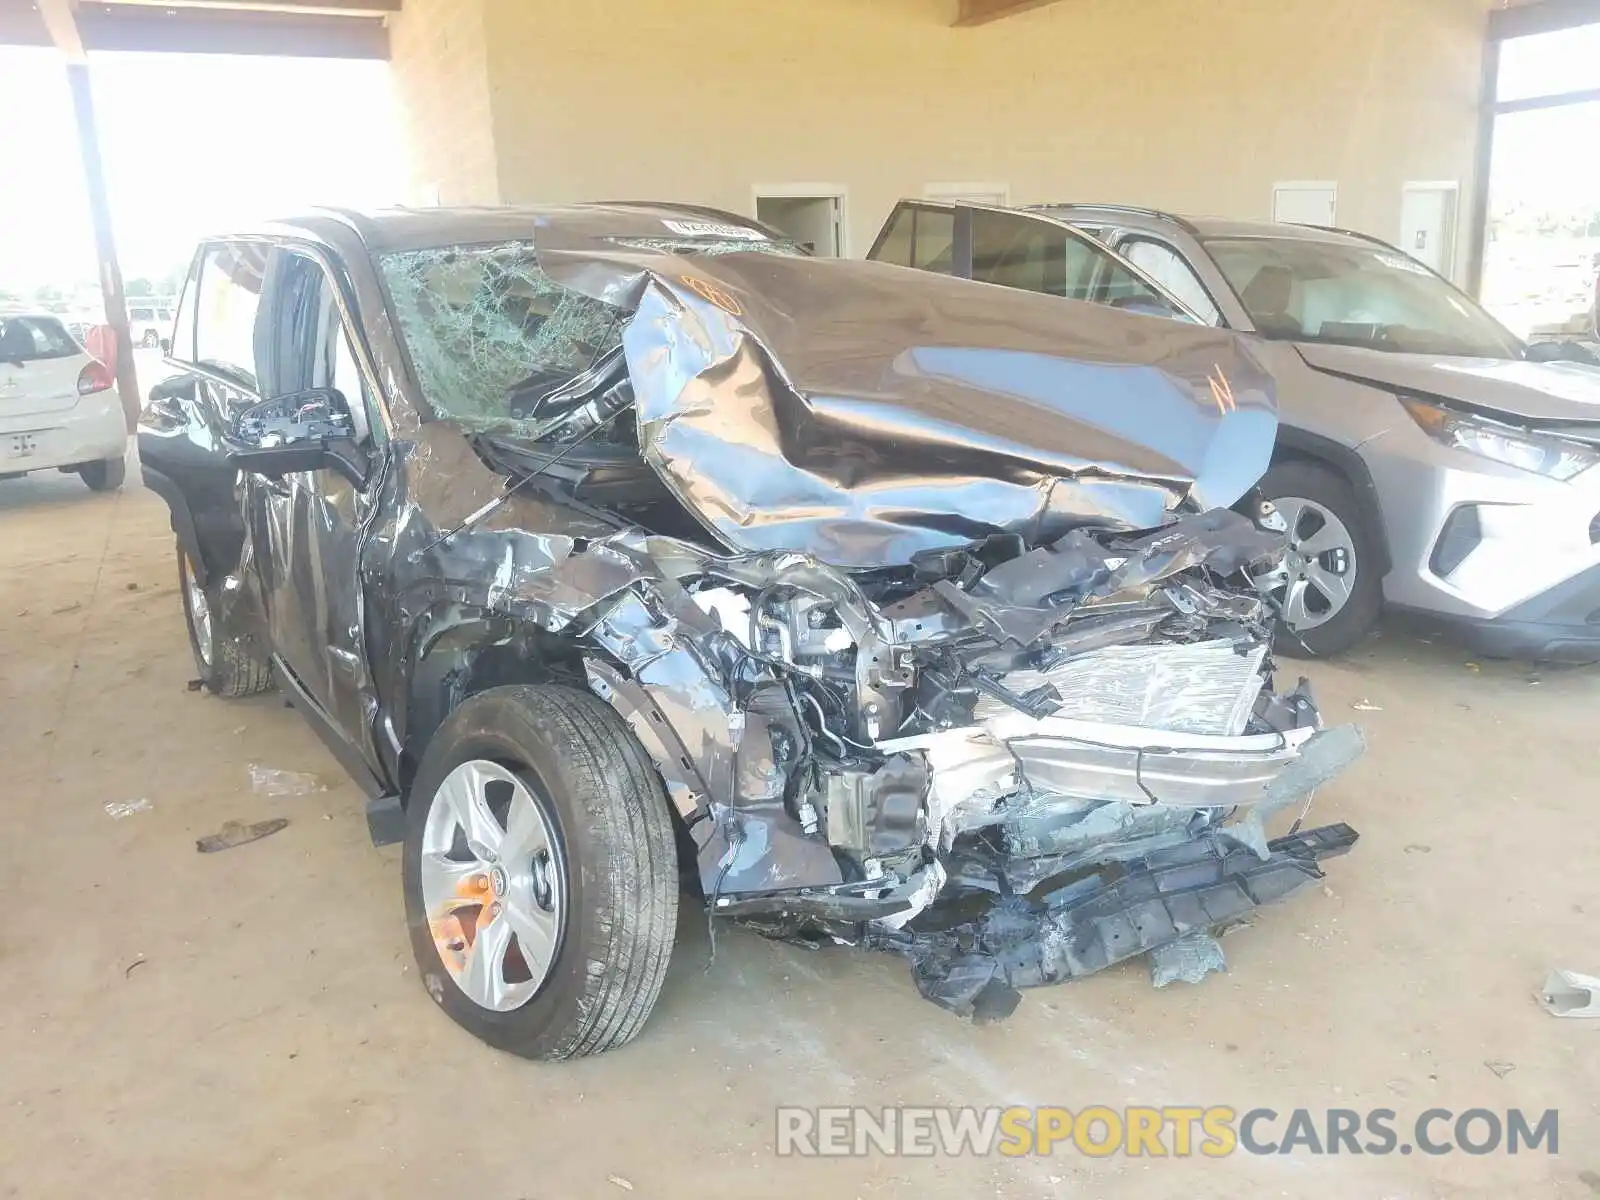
(1148, 306)
(301, 431)
(166, 346)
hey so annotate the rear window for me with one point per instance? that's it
(25, 339)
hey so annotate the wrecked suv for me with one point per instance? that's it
(913, 611)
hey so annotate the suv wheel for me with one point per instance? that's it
(227, 659)
(1327, 593)
(151, 338)
(540, 873)
(104, 476)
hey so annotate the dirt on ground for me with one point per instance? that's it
(249, 1023)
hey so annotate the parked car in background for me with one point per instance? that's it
(149, 320)
(576, 532)
(1427, 459)
(59, 408)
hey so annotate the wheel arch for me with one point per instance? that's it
(456, 649)
(182, 520)
(1298, 445)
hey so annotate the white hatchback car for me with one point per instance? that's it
(59, 407)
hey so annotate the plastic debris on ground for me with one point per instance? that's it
(237, 833)
(1569, 994)
(270, 781)
(119, 810)
(1187, 960)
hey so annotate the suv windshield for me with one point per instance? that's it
(491, 335)
(1300, 290)
(488, 331)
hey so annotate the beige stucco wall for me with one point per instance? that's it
(441, 76)
(1197, 106)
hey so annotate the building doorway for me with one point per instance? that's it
(812, 214)
(1428, 225)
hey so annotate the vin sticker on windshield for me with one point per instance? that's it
(715, 229)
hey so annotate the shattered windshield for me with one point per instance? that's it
(489, 333)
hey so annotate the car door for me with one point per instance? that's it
(306, 529)
(923, 235)
(1038, 254)
(183, 428)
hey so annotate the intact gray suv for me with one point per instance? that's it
(1425, 460)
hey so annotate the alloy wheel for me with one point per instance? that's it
(493, 885)
(1318, 575)
(199, 614)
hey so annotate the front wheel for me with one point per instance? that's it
(1327, 590)
(540, 873)
(227, 658)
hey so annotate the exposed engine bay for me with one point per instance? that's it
(1014, 766)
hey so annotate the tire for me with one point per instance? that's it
(228, 660)
(151, 339)
(1317, 487)
(610, 872)
(106, 475)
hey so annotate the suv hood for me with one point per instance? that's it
(867, 413)
(1527, 390)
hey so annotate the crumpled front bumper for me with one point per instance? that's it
(1119, 841)
(976, 968)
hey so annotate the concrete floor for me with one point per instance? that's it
(249, 1024)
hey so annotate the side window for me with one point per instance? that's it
(894, 245)
(229, 298)
(1032, 254)
(1163, 264)
(347, 377)
(936, 239)
(308, 345)
(918, 236)
(183, 328)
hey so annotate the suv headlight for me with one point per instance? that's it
(1537, 452)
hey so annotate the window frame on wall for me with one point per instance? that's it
(1505, 25)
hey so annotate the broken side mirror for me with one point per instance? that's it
(303, 431)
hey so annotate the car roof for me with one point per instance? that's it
(1200, 227)
(416, 228)
(32, 314)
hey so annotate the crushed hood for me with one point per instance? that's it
(1527, 390)
(866, 413)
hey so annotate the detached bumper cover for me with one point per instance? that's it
(976, 968)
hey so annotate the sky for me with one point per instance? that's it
(192, 144)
